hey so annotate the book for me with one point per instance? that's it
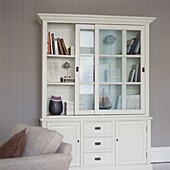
(137, 48)
(63, 46)
(53, 43)
(139, 74)
(51, 48)
(48, 43)
(129, 45)
(118, 104)
(132, 49)
(71, 50)
(136, 68)
(56, 46)
(60, 49)
(131, 76)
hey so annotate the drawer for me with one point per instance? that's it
(98, 159)
(98, 129)
(98, 144)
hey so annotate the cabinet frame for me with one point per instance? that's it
(96, 22)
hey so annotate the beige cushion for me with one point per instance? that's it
(41, 141)
(14, 146)
(18, 128)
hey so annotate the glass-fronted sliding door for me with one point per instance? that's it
(119, 58)
(85, 88)
(110, 64)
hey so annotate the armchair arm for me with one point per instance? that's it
(57, 161)
(65, 148)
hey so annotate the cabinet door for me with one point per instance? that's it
(119, 83)
(85, 75)
(110, 69)
(131, 142)
(71, 133)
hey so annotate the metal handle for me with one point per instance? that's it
(97, 143)
(97, 128)
(97, 158)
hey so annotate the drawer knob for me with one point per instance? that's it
(97, 128)
(97, 158)
(97, 143)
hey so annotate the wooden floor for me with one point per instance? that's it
(161, 166)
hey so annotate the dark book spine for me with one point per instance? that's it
(60, 47)
(53, 43)
(134, 46)
(63, 46)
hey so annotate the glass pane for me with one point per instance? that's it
(86, 69)
(133, 97)
(110, 69)
(86, 97)
(86, 42)
(110, 42)
(110, 97)
(133, 42)
(133, 70)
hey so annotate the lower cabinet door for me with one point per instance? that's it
(130, 142)
(71, 133)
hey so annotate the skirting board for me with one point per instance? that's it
(160, 154)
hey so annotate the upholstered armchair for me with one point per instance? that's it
(43, 150)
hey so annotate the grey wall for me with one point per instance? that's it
(20, 57)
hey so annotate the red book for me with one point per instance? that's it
(48, 44)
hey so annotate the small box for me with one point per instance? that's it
(67, 80)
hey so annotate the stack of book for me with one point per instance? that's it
(57, 45)
(132, 102)
(133, 46)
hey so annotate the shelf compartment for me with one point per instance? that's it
(109, 97)
(110, 69)
(86, 97)
(65, 92)
(56, 71)
(133, 44)
(133, 97)
(110, 42)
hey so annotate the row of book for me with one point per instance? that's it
(133, 46)
(132, 102)
(58, 46)
(134, 75)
